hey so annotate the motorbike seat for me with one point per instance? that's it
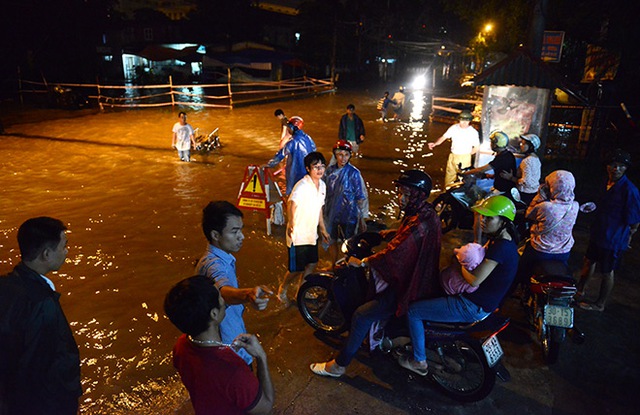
(487, 323)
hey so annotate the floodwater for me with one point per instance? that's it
(134, 213)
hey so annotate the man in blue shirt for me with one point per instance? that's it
(222, 226)
(295, 150)
(616, 220)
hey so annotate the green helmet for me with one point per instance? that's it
(499, 139)
(496, 206)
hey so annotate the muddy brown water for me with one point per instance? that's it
(134, 210)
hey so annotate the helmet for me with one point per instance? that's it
(342, 145)
(465, 115)
(533, 139)
(496, 206)
(415, 178)
(499, 139)
(619, 156)
(296, 121)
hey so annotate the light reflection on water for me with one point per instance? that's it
(133, 211)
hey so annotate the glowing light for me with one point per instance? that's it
(419, 82)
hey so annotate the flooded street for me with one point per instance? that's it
(134, 213)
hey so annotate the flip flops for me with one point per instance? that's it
(408, 363)
(590, 306)
(321, 369)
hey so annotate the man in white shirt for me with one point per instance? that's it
(464, 143)
(305, 218)
(183, 137)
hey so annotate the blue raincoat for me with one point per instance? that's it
(297, 148)
(347, 199)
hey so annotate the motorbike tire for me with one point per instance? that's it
(319, 309)
(445, 211)
(464, 375)
(550, 340)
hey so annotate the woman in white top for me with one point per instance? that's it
(527, 178)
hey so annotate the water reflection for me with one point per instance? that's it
(134, 214)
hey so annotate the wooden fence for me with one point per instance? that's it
(218, 95)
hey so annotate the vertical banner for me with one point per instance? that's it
(552, 46)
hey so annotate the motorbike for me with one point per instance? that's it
(549, 305)
(549, 302)
(205, 144)
(464, 358)
(454, 205)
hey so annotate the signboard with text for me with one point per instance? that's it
(552, 46)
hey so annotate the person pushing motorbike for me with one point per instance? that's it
(405, 271)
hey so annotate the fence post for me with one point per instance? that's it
(173, 100)
(99, 100)
(229, 87)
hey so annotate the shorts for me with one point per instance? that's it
(341, 231)
(607, 259)
(302, 255)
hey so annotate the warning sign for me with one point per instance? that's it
(259, 191)
(254, 185)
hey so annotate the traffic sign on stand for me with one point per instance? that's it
(259, 192)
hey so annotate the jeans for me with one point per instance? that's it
(451, 309)
(185, 155)
(381, 307)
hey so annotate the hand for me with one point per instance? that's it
(250, 343)
(431, 146)
(507, 175)
(354, 262)
(361, 138)
(260, 297)
(290, 230)
(325, 236)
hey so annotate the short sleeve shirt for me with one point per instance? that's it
(183, 136)
(219, 382)
(221, 267)
(463, 140)
(309, 201)
(491, 291)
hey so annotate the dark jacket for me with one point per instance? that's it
(39, 358)
(359, 127)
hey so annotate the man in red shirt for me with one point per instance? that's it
(218, 380)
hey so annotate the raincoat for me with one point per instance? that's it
(296, 149)
(553, 212)
(347, 199)
(410, 261)
(617, 209)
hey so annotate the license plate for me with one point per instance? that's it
(492, 350)
(559, 316)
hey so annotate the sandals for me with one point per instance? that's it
(321, 369)
(590, 306)
(410, 364)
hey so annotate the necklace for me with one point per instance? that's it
(207, 342)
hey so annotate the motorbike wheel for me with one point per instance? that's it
(444, 209)
(319, 309)
(550, 341)
(462, 372)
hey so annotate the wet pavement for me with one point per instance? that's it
(134, 214)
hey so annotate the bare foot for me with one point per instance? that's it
(591, 306)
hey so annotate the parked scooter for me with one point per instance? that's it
(464, 358)
(549, 302)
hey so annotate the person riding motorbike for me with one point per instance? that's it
(404, 271)
(553, 212)
(493, 277)
(527, 178)
(504, 161)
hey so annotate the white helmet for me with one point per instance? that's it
(533, 139)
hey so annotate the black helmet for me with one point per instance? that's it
(416, 178)
(465, 115)
(619, 156)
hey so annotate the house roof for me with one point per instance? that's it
(520, 69)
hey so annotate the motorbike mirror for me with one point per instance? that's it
(515, 195)
(587, 207)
